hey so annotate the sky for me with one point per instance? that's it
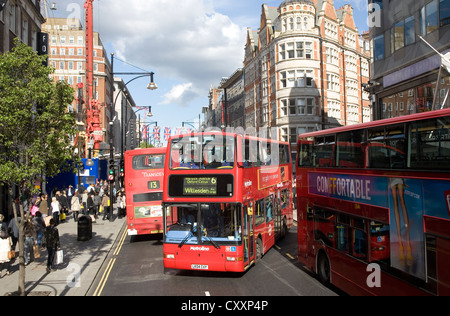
(189, 45)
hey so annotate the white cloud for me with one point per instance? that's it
(180, 94)
(183, 40)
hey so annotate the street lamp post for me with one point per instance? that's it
(150, 86)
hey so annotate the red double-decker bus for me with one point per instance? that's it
(373, 205)
(144, 177)
(227, 199)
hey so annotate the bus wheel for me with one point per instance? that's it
(259, 249)
(323, 269)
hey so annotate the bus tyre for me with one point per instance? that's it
(259, 249)
(323, 269)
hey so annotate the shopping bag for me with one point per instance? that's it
(36, 252)
(47, 220)
(62, 216)
(59, 257)
(100, 210)
(11, 254)
(34, 209)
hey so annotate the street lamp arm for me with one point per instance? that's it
(189, 123)
(150, 74)
(135, 78)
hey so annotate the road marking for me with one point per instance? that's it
(207, 293)
(290, 256)
(122, 240)
(110, 265)
(105, 276)
(278, 247)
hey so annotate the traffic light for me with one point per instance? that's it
(81, 167)
(121, 173)
(111, 170)
(122, 169)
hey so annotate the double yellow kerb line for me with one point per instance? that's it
(110, 265)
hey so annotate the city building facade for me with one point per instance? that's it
(67, 55)
(304, 70)
(21, 19)
(125, 136)
(406, 74)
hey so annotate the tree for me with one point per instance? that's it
(35, 129)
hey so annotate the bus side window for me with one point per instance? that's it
(387, 147)
(259, 212)
(305, 153)
(430, 146)
(324, 221)
(323, 151)
(349, 149)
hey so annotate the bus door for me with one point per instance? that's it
(278, 219)
(270, 229)
(249, 253)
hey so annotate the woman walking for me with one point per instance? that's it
(51, 242)
(56, 207)
(105, 204)
(75, 206)
(5, 248)
(30, 240)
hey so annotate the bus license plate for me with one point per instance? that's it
(199, 267)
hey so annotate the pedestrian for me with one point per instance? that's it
(56, 207)
(70, 193)
(14, 232)
(97, 201)
(39, 225)
(30, 239)
(5, 248)
(64, 206)
(43, 206)
(35, 205)
(90, 204)
(105, 205)
(51, 242)
(119, 206)
(122, 204)
(75, 205)
(84, 197)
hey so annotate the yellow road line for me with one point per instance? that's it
(119, 246)
(105, 276)
(289, 255)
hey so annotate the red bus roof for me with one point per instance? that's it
(389, 121)
(225, 134)
(143, 151)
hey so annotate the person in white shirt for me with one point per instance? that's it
(56, 207)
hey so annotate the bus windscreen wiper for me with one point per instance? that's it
(210, 239)
(189, 235)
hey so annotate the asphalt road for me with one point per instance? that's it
(135, 268)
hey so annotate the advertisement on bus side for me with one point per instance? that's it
(407, 200)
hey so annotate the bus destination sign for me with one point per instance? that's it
(200, 186)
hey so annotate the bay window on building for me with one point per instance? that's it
(297, 78)
(298, 106)
(297, 49)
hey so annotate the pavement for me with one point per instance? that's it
(82, 261)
